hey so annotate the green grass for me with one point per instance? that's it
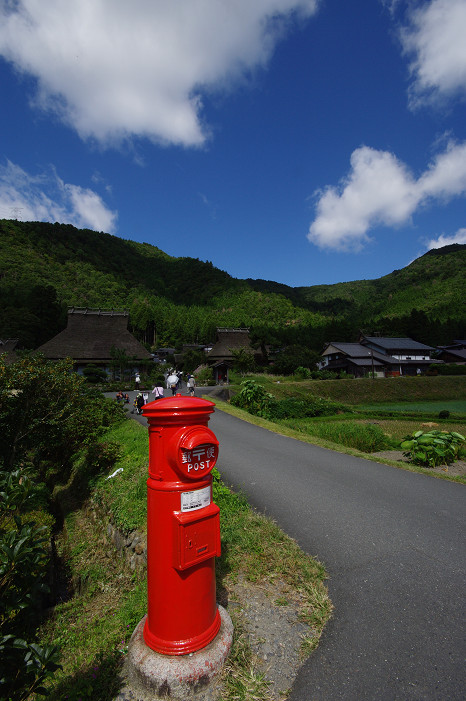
(93, 628)
(454, 406)
(363, 436)
(368, 391)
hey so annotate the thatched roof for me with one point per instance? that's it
(228, 340)
(90, 336)
(8, 346)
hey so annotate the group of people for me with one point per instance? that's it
(173, 382)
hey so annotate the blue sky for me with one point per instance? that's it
(302, 141)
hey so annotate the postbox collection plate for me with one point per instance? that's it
(196, 536)
(197, 461)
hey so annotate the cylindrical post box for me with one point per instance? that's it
(183, 526)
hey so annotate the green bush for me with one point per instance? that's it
(447, 369)
(432, 448)
(303, 373)
(94, 374)
(24, 546)
(294, 408)
(205, 377)
(253, 398)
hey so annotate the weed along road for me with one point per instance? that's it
(393, 544)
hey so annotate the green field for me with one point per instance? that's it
(454, 406)
(397, 390)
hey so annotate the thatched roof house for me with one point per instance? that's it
(90, 337)
(8, 346)
(220, 358)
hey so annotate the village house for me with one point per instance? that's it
(378, 355)
(8, 347)
(221, 358)
(92, 336)
(455, 352)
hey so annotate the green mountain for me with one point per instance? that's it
(44, 268)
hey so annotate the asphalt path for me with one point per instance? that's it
(393, 544)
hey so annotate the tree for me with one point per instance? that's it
(243, 360)
(46, 412)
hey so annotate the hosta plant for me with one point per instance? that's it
(432, 448)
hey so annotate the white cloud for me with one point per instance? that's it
(459, 237)
(113, 69)
(436, 41)
(380, 190)
(46, 197)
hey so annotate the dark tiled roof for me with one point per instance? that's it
(91, 334)
(356, 350)
(391, 344)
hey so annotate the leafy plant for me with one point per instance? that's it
(24, 665)
(254, 398)
(432, 448)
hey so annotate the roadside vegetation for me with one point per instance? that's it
(314, 410)
(69, 602)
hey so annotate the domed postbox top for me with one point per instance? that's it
(170, 409)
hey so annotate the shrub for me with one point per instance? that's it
(205, 377)
(253, 398)
(94, 374)
(447, 369)
(444, 414)
(432, 448)
(293, 408)
(24, 665)
(303, 373)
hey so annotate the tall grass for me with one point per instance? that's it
(366, 437)
(368, 391)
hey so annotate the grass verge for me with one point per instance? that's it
(285, 430)
(368, 391)
(93, 627)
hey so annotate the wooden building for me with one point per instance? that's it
(221, 358)
(92, 336)
(8, 347)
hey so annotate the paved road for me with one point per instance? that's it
(393, 544)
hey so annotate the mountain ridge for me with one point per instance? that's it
(175, 300)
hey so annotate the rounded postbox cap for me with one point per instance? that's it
(194, 451)
(174, 409)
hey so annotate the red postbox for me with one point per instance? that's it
(183, 526)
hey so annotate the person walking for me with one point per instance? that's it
(139, 403)
(137, 380)
(191, 385)
(172, 382)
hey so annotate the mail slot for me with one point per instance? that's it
(196, 536)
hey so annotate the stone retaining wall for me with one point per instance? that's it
(132, 547)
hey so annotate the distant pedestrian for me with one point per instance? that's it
(137, 380)
(191, 385)
(172, 383)
(158, 391)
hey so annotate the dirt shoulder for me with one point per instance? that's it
(456, 469)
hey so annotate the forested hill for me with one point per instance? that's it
(44, 268)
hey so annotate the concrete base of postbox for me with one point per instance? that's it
(151, 675)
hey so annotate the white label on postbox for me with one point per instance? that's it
(190, 501)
